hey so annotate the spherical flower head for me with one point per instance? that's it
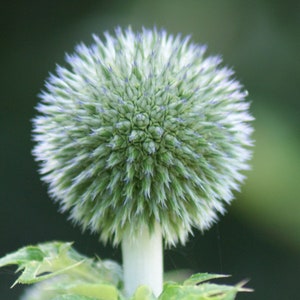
(139, 129)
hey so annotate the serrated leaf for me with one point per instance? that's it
(201, 277)
(65, 285)
(82, 278)
(205, 291)
(44, 261)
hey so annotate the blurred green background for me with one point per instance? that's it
(259, 237)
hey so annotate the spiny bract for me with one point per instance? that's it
(142, 128)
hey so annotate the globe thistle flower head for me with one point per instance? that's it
(143, 128)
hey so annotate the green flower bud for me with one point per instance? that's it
(139, 129)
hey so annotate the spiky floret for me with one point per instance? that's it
(143, 128)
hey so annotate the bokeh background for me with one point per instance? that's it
(259, 238)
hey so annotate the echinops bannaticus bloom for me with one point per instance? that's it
(143, 128)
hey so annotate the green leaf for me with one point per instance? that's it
(72, 297)
(205, 291)
(68, 275)
(195, 288)
(96, 291)
(143, 293)
(201, 277)
(64, 285)
(45, 261)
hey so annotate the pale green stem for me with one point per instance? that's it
(143, 261)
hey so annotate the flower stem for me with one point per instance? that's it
(143, 260)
